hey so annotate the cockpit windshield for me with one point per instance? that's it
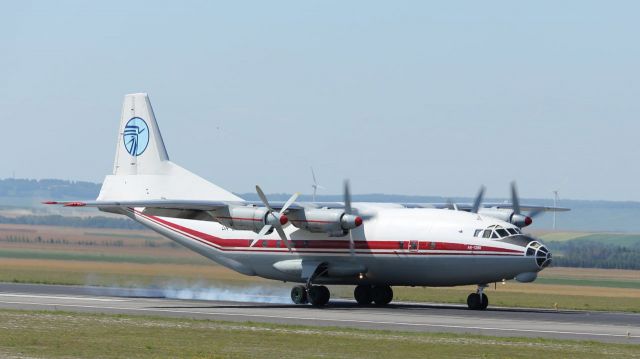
(496, 231)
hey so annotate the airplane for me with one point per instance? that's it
(372, 246)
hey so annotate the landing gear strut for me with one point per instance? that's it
(379, 294)
(478, 300)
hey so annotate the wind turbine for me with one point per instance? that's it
(315, 184)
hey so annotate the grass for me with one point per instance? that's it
(136, 264)
(64, 335)
(88, 257)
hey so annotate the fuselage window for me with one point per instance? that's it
(413, 245)
(401, 245)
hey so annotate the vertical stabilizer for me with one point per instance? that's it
(142, 169)
(140, 148)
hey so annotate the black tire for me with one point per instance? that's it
(362, 294)
(319, 295)
(382, 295)
(473, 301)
(485, 302)
(299, 294)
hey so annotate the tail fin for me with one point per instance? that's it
(142, 169)
(140, 148)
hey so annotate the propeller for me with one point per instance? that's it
(277, 220)
(477, 203)
(518, 218)
(349, 220)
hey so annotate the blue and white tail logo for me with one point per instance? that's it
(136, 136)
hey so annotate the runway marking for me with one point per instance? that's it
(61, 297)
(625, 335)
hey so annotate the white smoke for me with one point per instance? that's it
(199, 291)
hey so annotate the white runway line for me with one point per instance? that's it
(310, 319)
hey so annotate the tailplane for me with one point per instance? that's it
(142, 169)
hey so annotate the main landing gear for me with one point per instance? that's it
(316, 295)
(478, 300)
(378, 294)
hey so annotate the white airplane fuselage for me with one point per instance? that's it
(394, 246)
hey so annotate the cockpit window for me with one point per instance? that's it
(496, 231)
(477, 233)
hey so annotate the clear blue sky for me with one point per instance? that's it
(405, 97)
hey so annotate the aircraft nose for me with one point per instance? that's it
(540, 253)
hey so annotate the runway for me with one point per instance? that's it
(581, 325)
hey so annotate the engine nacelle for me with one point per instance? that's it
(249, 218)
(318, 220)
(507, 215)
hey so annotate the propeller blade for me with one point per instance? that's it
(263, 198)
(347, 198)
(283, 236)
(352, 244)
(289, 202)
(478, 201)
(261, 234)
(515, 201)
(313, 174)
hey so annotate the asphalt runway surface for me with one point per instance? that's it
(516, 322)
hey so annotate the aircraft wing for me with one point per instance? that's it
(196, 205)
(468, 206)
(160, 203)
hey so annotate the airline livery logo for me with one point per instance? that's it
(136, 136)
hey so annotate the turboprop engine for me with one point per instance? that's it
(251, 218)
(507, 215)
(336, 222)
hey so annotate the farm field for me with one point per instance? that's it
(29, 334)
(142, 259)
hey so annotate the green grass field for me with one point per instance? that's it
(71, 335)
(28, 256)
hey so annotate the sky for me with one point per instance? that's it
(402, 97)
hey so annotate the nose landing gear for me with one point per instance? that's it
(478, 300)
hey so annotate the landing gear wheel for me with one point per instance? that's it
(485, 302)
(473, 301)
(477, 301)
(382, 295)
(362, 294)
(299, 294)
(319, 295)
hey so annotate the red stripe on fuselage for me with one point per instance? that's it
(308, 246)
